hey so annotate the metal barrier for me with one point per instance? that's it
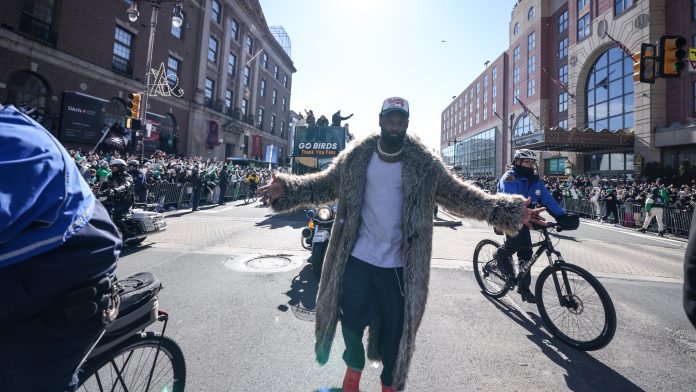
(677, 222)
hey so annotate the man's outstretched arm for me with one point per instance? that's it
(288, 192)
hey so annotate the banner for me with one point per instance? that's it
(319, 142)
(212, 139)
(271, 154)
(82, 118)
(152, 142)
(255, 146)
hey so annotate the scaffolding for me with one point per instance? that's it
(282, 37)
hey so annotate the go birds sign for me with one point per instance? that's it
(319, 142)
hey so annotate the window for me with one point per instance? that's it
(176, 31)
(264, 60)
(229, 99)
(212, 49)
(282, 106)
(27, 87)
(209, 89)
(249, 45)
(495, 73)
(516, 55)
(582, 4)
(584, 27)
(523, 126)
(516, 29)
(275, 72)
(563, 124)
(563, 22)
(122, 51)
(563, 74)
(494, 98)
(262, 88)
(515, 95)
(245, 106)
(37, 20)
(261, 115)
(531, 41)
(609, 92)
(215, 13)
(562, 102)
(282, 128)
(485, 89)
(247, 76)
(115, 112)
(530, 13)
(173, 66)
(285, 81)
(555, 165)
(531, 65)
(273, 123)
(274, 96)
(563, 48)
(232, 64)
(516, 67)
(531, 87)
(622, 5)
(234, 30)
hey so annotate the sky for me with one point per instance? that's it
(352, 54)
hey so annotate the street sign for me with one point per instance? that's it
(692, 60)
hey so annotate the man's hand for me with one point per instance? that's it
(532, 216)
(271, 192)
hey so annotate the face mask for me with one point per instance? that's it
(524, 171)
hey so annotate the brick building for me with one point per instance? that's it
(568, 92)
(235, 75)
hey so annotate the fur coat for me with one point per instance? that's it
(426, 181)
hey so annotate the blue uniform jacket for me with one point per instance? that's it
(43, 198)
(515, 184)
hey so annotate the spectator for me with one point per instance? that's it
(323, 121)
(310, 118)
(336, 119)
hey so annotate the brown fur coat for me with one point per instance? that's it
(426, 181)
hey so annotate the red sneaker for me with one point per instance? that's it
(351, 381)
(388, 389)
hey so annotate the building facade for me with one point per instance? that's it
(570, 95)
(235, 77)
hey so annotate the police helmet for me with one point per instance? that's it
(134, 162)
(119, 163)
(525, 154)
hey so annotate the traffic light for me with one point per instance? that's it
(636, 66)
(672, 54)
(134, 105)
(647, 63)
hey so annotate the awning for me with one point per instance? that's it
(573, 139)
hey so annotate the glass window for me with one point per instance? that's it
(261, 115)
(115, 112)
(229, 99)
(516, 29)
(275, 72)
(609, 92)
(531, 65)
(494, 73)
(234, 29)
(285, 81)
(177, 31)
(531, 87)
(262, 88)
(247, 76)
(563, 101)
(264, 60)
(215, 13)
(122, 50)
(274, 96)
(582, 4)
(27, 87)
(584, 27)
(37, 20)
(622, 5)
(563, 123)
(212, 49)
(249, 45)
(563, 73)
(245, 106)
(563, 22)
(283, 105)
(555, 165)
(515, 95)
(232, 64)
(563, 48)
(523, 126)
(173, 66)
(209, 88)
(530, 13)
(273, 123)
(531, 41)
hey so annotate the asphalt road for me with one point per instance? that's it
(244, 327)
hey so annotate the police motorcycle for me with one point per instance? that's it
(315, 236)
(117, 196)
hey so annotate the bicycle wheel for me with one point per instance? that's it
(127, 367)
(247, 197)
(582, 314)
(486, 271)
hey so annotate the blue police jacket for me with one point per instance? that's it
(511, 182)
(43, 198)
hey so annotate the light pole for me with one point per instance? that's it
(177, 21)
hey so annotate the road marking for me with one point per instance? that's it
(633, 233)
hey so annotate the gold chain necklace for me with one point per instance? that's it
(387, 154)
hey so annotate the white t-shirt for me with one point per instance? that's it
(381, 216)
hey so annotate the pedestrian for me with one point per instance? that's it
(377, 265)
(654, 205)
(224, 180)
(337, 118)
(197, 183)
(612, 206)
(58, 255)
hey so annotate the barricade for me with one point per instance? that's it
(185, 195)
(166, 194)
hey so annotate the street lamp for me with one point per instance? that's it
(177, 21)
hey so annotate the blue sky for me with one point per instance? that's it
(351, 54)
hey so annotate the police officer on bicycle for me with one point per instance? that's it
(119, 191)
(521, 179)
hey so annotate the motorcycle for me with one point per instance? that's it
(315, 236)
(136, 224)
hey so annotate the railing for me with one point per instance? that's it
(166, 195)
(676, 221)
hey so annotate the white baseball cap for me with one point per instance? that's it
(394, 104)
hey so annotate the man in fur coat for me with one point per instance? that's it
(377, 265)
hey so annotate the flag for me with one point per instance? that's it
(621, 46)
(526, 109)
(558, 83)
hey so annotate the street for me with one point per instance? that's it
(245, 324)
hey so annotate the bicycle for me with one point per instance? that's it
(126, 358)
(584, 316)
(250, 196)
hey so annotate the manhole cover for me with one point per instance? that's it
(268, 263)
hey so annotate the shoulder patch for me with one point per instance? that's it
(510, 178)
